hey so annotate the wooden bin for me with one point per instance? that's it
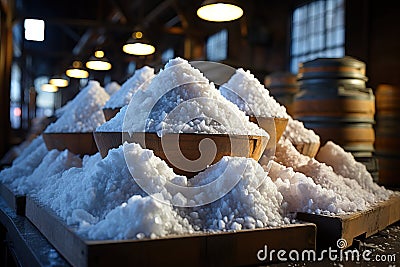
(77, 143)
(358, 224)
(188, 145)
(208, 249)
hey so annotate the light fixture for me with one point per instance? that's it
(76, 71)
(59, 81)
(98, 61)
(34, 29)
(220, 10)
(50, 88)
(137, 45)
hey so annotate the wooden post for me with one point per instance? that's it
(5, 73)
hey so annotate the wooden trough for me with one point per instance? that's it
(205, 249)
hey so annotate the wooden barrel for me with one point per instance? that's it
(334, 102)
(355, 137)
(387, 100)
(334, 68)
(282, 86)
(389, 168)
(387, 134)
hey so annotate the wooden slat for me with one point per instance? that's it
(15, 201)
(350, 226)
(218, 249)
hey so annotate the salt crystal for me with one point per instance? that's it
(141, 217)
(137, 81)
(298, 134)
(84, 112)
(53, 163)
(112, 87)
(180, 95)
(254, 99)
(246, 91)
(26, 163)
(326, 177)
(345, 164)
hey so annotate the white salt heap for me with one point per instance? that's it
(115, 123)
(298, 134)
(138, 218)
(302, 194)
(325, 176)
(112, 87)
(90, 191)
(246, 91)
(25, 163)
(84, 113)
(129, 87)
(254, 99)
(180, 99)
(54, 163)
(254, 202)
(343, 163)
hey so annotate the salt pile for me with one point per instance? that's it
(115, 123)
(138, 218)
(180, 99)
(325, 176)
(254, 202)
(344, 163)
(25, 163)
(246, 91)
(129, 87)
(84, 113)
(112, 87)
(254, 99)
(91, 191)
(302, 194)
(298, 134)
(53, 163)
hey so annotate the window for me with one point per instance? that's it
(217, 46)
(317, 31)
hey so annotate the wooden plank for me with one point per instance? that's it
(349, 226)
(15, 201)
(208, 249)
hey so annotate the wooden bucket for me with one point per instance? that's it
(189, 143)
(77, 143)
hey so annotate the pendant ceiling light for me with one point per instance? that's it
(220, 10)
(98, 61)
(139, 46)
(59, 81)
(76, 71)
(50, 88)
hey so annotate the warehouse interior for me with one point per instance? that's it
(355, 105)
(258, 41)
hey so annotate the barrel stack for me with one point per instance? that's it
(283, 87)
(335, 102)
(387, 134)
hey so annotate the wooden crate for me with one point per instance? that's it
(15, 201)
(358, 224)
(218, 249)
